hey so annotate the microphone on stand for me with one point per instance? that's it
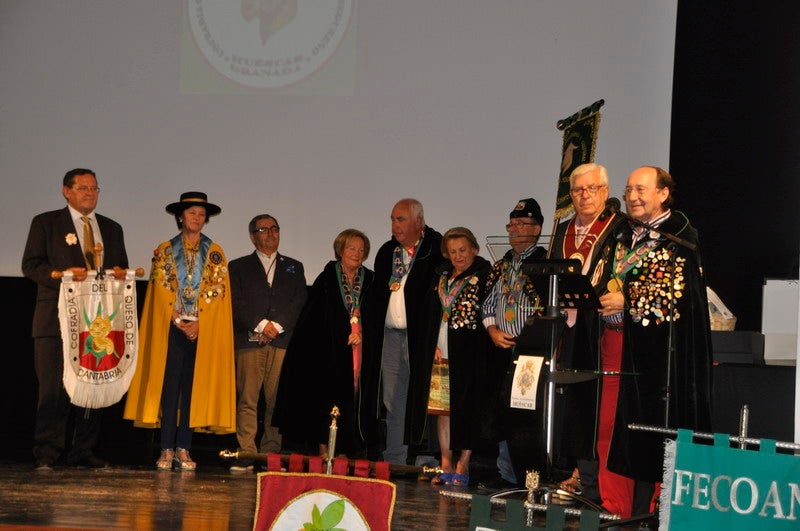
(98, 260)
(612, 207)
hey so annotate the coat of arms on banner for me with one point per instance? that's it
(99, 332)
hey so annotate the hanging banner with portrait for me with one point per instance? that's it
(100, 336)
(577, 147)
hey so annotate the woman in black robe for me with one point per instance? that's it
(322, 368)
(456, 334)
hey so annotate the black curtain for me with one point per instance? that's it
(734, 143)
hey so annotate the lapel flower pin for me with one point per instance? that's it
(71, 239)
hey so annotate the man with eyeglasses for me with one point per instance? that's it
(658, 289)
(511, 299)
(268, 291)
(61, 240)
(590, 342)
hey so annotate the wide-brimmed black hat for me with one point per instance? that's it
(190, 199)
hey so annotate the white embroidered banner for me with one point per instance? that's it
(100, 334)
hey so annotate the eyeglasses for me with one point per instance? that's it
(517, 225)
(272, 230)
(82, 189)
(591, 190)
(640, 190)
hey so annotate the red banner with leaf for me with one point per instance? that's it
(302, 501)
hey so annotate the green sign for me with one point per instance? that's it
(718, 487)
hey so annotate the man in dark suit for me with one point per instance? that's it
(268, 291)
(58, 241)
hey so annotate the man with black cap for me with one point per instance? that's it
(511, 299)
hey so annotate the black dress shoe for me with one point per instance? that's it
(90, 461)
(495, 484)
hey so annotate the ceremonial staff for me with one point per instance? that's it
(332, 430)
(394, 468)
(81, 275)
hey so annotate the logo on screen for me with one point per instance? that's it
(268, 43)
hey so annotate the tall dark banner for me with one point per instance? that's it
(580, 138)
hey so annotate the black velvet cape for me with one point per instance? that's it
(637, 454)
(318, 369)
(417, 287)
(467, 347)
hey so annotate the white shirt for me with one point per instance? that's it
(269, 268)
(78, 222)
(396, 311)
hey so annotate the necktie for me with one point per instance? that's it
(88, 243)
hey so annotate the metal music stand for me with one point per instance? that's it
(565, 287)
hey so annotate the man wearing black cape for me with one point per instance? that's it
(660, 290)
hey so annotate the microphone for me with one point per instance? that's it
(98, 260)
(612, 207)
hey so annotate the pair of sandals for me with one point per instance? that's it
(179, 459)
(449, 478)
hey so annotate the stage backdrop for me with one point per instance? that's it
(322, 114)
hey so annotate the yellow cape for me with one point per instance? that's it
(214, 388)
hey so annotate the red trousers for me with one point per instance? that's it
(616, 491)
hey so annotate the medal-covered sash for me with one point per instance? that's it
(399, 267)
(447, 296)
(625, 261)
(514, 281)
(656, 284)
(351, 297)
(501, 272)
(188, 281)
(351, 293)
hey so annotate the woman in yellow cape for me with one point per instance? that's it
(185, 379)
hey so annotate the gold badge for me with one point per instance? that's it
(614, 285)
